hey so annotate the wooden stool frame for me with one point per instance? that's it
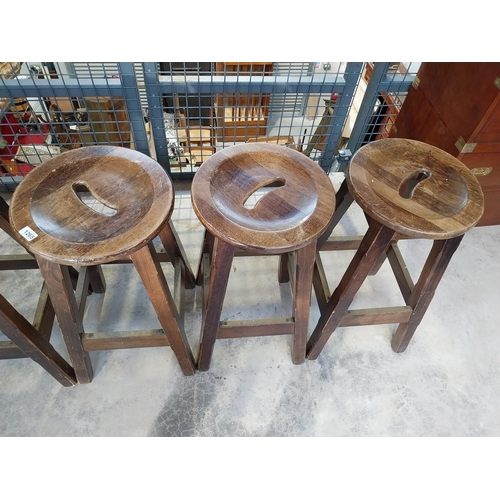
(142, 211)
(30, 340)
(285, 221)
(379, 242)
(69, 307)
(382, 178)
(213, 275)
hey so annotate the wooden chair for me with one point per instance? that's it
(285, 221)
(407, 190)
(98, 205)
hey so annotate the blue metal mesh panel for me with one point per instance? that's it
(50, 108)
(180, 113)
(387, 85)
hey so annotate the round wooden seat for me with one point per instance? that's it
(290, 216)
(415, 188)
(408, 190)
(133, 190)
(286, 220)
(97, 205)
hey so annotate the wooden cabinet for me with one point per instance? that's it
(456, 107)
(242, 116)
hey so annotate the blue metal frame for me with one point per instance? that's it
(126, 86)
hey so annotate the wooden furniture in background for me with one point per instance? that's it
(274, 139)
(285, 221)
(199, 144)
(407, 190)
(96, 205)
(242, 116)
(109, 120)
(456, 107)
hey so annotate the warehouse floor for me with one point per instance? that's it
(445, 384)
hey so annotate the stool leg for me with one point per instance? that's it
(374, 244)
(96, 278)
(302, 300)
(207, 247)
(69, 317)
(344, 200)
(173, 247)
(219, 276)
(423, 292)
(283, 276)
(146, 262)
(34, 345)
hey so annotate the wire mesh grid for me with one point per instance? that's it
(181, 113)
(50, 108)
(296, 105)
(379, 121)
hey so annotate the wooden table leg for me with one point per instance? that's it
(63, 299)
(34, 345)
(423, 292)
(375, 242)
(302, 300)
(148, 266)
(219, 275)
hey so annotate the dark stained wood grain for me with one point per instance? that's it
(375, 242)
(68, 315)
(152, 276)
(100, 205)
(446, 204)
(283, 276)
(219, 276)
(104, 341)
(207, 248)
(423, 292)
(171, 243)
(43, 322)
(255, 328)
(69, 231)
(34, 345)
(284, 219)
(407, 189)
(304, 266)
(454, 104)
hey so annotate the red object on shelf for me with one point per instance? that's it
(16, 134)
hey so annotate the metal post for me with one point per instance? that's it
(340, 112)
(133, 101)
(155, 106)
(367, 104)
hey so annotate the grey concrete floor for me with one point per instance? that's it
(445, 383)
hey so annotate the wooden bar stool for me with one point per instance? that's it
(98, 205)
(407, 190)
(285, 221)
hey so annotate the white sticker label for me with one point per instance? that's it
(27, 233)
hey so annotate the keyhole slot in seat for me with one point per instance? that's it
(255, 197)
(408, 187)
(86, 196)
